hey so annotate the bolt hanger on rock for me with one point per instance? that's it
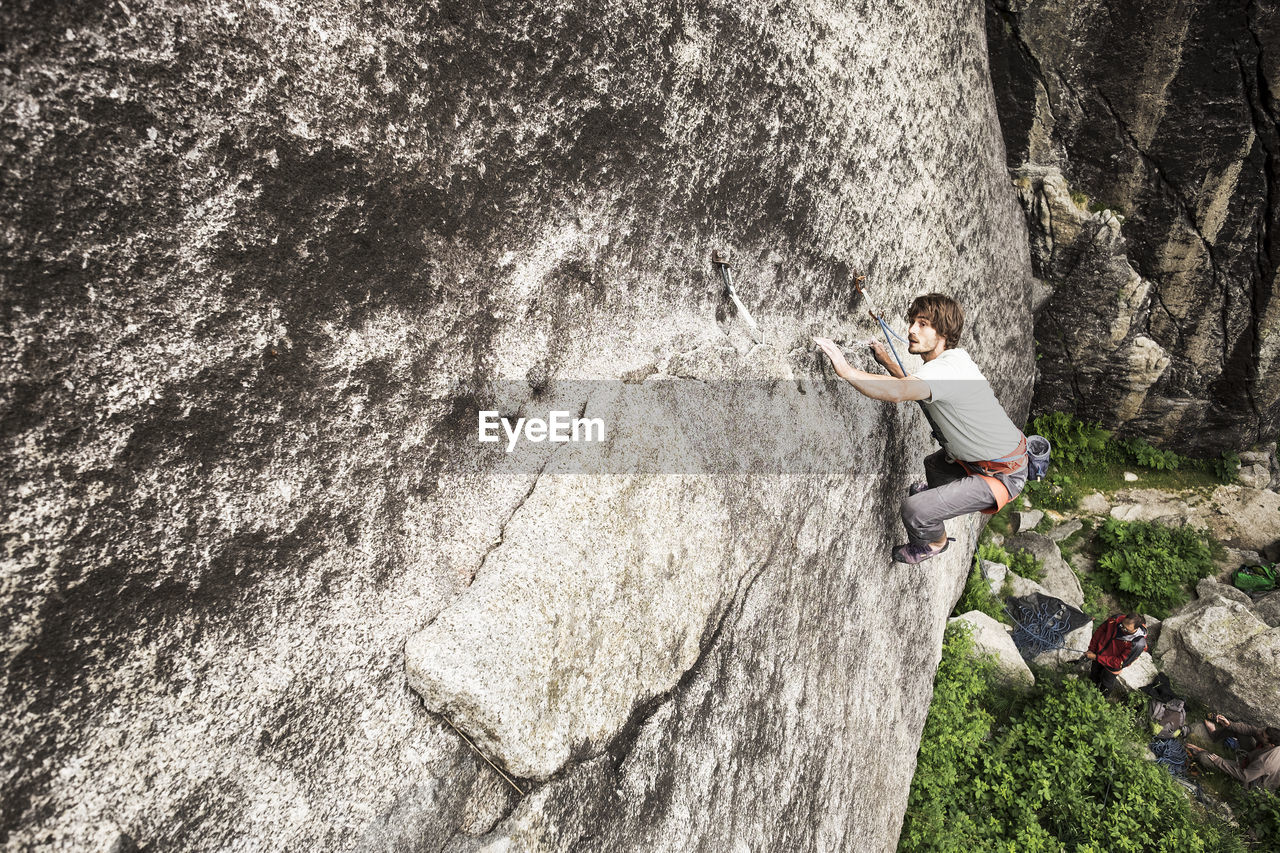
(721, 261)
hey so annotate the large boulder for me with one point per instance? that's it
(1210, 588)
(1139, 674)
(1267, 608)
(991, 637)
(1059, 580)
(1220, 653)
(1240, 517)
(265, 266)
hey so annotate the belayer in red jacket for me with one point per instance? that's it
(1116, 644)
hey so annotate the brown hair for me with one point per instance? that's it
(942, 312)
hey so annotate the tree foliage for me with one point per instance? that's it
(1061, 770)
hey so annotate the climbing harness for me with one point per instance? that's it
(1171, 754)
(1043, 623)
(721, 262)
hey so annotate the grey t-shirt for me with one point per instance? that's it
(973, 424)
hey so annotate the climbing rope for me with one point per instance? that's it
(1171, 753)
(1040, 628)
(889, 334)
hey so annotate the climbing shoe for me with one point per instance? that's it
(917, 488)
(913, 553)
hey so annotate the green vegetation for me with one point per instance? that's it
(1227, 466)
(1056, 491)
(1152, 567)
(1087, 457)
(977, 595)
(1076, 443)
(1259, 811)
(1093, 593)
(1058, 768)
(1146, 456)
(1020, 562)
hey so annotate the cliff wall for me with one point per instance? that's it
(264, 264)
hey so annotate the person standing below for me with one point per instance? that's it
(983, 461)
(1116, 644)
(1260, 768)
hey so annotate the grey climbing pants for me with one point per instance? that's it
(952, 492)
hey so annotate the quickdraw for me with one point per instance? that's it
(721, 262)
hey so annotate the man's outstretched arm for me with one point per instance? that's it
(888, 388)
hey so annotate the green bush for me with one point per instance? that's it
(1074, 441)
(1056, 491)
(1141, 453)
(1022, 563)
(1092, 592)
(977, 595)
(1227, 466)
(1063, 772)
(1259, 811)
(1151, 565)
(1083, 446)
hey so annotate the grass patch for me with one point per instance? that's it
(1020, 562)
(1090, 458)
(977, 595)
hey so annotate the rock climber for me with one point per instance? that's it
(1259, 768)
(983, 461)
(1115, 644)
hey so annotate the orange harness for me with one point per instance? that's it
(1004, 465)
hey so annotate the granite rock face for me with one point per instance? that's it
(1143, 138)
(1220, 652)
(264, 262)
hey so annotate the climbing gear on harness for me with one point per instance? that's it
(721, 262)
(917, 553)
(1043, 623)
(988, 470)
(917, 488)
(1003, 465)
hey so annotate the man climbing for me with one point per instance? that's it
(983, 461)
(1260, 768)
(1115, 644)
